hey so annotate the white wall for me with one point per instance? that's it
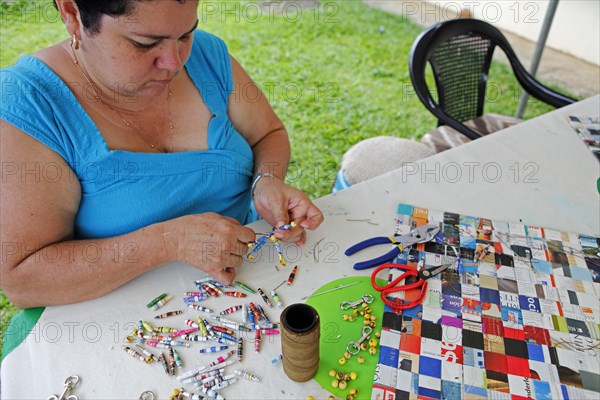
(575, 29)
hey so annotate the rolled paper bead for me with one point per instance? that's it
(245, 287)
(157, 345)
(201, 376)
(257, 340)
(225, 335)
(264, 297)
(164, 329)
(222, 340)
(212, 394)
(276, 299)
(251, 317)
(244, 313)
(213, 287)
(165, 363)
(193, 294)
(292, 276)
(147, 326)
(204, 280)
(192, 299)
(247, 375)
(202, 326)
(235, 294)
(210, 290)
(255, 311)
(231, 310)
(133, 353)
(172, 364)
(240, 349)
(155, 338)
(149, 356)
(268, 326)
(178, 343)
(169, 314)
(156, 300)
(277, 359)
(209, 328)
(214, 349)
(194, 338)
(162, 302)
(263, 314)
(223, 329)
(191, 323)
(178, 361)
(220, 285)
(200, 308)
(224, 384)
(191, 396)
(183, 332)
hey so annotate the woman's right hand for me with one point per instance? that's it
(209, 241)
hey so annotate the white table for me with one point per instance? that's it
(538, 172)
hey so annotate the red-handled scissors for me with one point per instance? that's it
(392, 287)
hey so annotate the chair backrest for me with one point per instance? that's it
(460, 53)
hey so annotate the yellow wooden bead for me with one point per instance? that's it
(330, 397)
(340, 376)
(366, 321)
(373, 350)
(373, 342)
(367, 315)
(349, 397)
(332, 373)
(350, 318)
(347, 377)
(373, 318)
(342, 385)
(377, 334)
(342, 360)
(353, 392)
(364, 305)
(310, 398)
(363, 346)
(347, 355)
(345, 317)
(353, 375)
(355, 312)
(335, 383)
(360, 360)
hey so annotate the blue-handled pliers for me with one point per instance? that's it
(420, 234)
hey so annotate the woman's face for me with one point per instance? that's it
(140, 54)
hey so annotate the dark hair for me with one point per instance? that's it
(92, 10)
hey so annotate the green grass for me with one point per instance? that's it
(335, 75)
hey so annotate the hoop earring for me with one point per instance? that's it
(74, 42)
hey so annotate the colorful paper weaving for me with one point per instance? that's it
(522, 322)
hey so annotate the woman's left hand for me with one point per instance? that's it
(280, 204)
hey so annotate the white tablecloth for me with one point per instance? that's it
(538, 173)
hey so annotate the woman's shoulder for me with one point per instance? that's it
(209, 45)
(43, 66)
(209, 64)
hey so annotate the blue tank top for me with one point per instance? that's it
(123, 191)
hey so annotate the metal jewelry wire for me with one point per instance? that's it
(97, 96)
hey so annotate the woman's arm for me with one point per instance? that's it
(252, 115)
(42, 265)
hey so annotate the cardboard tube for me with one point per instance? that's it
(300, 333)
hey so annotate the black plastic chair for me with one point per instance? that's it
(460, 52)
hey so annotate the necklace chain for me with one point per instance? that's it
(125, 121)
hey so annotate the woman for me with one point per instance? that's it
(144, 155)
